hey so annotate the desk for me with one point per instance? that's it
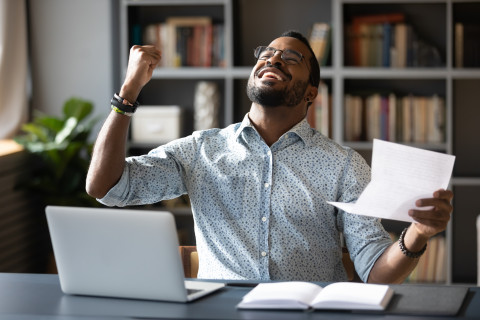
(38, 296)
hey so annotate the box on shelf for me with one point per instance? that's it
(156, 124)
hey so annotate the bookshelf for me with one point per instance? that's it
(249, 23)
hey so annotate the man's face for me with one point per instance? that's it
(275, 83)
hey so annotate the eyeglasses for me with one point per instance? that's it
(288, 56)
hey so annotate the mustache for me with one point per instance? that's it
(268, 66)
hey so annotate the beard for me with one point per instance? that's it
(268, 96)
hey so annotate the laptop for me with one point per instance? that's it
(120, 253)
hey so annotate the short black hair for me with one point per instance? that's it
(314, 66)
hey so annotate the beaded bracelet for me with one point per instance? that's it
(410, 254)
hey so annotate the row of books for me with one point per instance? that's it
(319, 114)
(188, 42)
(320, 39)
(467, 45)
(400, 119)
(386, 40)
(432, 265)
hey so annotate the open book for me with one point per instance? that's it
(305, 295)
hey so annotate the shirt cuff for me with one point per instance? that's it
(116, 195)
(370, 256)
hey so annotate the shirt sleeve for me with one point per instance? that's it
(365, 237)
(157, 176)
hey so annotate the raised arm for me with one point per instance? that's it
(108, 159)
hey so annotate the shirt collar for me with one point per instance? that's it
(301, 129)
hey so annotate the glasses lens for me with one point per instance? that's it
(264, 53)
(291, 56)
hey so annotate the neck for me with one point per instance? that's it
(272, 122)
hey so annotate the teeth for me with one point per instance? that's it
(272, 75)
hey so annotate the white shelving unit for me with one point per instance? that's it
(249, 23)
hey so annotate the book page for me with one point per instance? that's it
(280, 295)
(353, 296)
(400, 176)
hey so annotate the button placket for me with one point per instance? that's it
(264, 224)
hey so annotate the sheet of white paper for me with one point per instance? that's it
(400, 176)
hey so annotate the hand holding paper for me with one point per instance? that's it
(400, 176)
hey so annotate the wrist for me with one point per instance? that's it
(411, 243)
(123, 106)
(127, 92)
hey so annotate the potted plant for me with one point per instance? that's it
(61, 154)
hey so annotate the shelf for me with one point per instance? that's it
(215, 73)
(441, 147)
(465, 73)
(245, 28)
(173, 2)
(189, 73)
(457, 181)
(390, 73)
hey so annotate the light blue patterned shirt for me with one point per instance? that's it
(260, 212)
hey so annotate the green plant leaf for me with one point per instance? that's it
(36, 132)
(67, 130)
(77, 108)
(53, 124)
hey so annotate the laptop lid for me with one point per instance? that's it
(120, 253)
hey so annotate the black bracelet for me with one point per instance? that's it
(413, 255)
(123, 104)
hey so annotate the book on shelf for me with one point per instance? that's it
(305, 295)
(431, 267)
(459, 45)
(418, 119)
(319, 113)
(366, 38)
(187, 41)
(467, 45)
(353, 118)
(387, 40)
(320, 39)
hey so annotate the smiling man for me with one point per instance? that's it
(259, 188)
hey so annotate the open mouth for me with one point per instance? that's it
(271, 73)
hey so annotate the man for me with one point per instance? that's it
(259, 188)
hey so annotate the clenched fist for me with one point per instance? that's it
(141, 63)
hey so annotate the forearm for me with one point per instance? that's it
(108, 158)
(394, 266)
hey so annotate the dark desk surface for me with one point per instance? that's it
(38, 296)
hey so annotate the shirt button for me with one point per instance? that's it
(264, 219)
(266, 185)
(264, 253)
(269, 153)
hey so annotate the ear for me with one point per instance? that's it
(311, 93)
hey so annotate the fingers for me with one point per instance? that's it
(441, 201)
(141, 63)
(149, 54)
(436, 211)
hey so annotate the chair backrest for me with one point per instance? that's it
(190, 263)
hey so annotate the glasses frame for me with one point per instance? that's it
(260, 49)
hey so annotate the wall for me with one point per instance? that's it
(71, 47)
